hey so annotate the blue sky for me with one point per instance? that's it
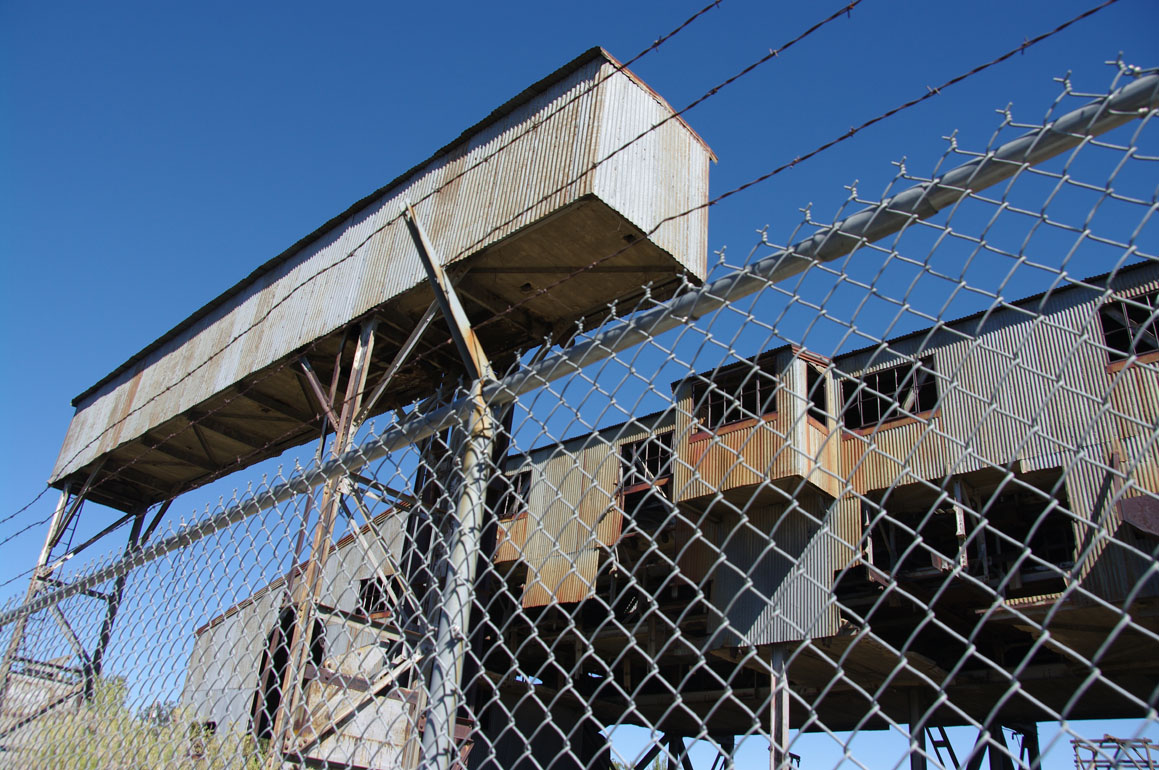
(151, 154)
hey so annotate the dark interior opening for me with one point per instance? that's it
(1017, 533)
(272, 671)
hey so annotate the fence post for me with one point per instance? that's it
(454, 612)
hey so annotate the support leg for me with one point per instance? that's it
(114, 604)
(779, 710)
(1030, 750)
(54, 527)
(291, 710)
(453, 617)
(917, 730)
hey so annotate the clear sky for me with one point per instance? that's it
(152, 154)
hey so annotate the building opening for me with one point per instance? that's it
(272, 671)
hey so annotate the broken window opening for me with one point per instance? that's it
(817, 387)
(1130, 326)
(515, 496)
(374, 599)
(647, 461)
(906, 390)
(747, 394)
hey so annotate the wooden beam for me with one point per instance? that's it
(164, 447)
(148, 531)
(77, 549)
(210, 422)
(428, 349)
(399, 358)
(200, 436)
(249, 392)
(471, 351)
(319, 393)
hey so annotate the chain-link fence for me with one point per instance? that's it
(887, 495)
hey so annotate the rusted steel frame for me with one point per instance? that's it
(60, 560)
(112, 606)
(401, 499)
(58, 526)
(148, 532)
(71, 637)
(291, 708)
(319, 394)
(90, 592)
(1126, 104)
(399, 358)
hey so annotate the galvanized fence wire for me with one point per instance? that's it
(884, 496)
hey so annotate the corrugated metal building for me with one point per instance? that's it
(779, 497)
(542, 189)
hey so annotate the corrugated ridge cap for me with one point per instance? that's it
(493, 117)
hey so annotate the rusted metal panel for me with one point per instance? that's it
(573, 510)
(561, 578)
(472, 195)
(511, 540)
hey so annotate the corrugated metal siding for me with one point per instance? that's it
(663, 173)
(1031, 391)
(572, 511)
(777, 583)
(219, 688)
(370, 257)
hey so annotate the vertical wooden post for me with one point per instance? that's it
(54, 527)
(778, 709)
(917, 730)
(291, 710)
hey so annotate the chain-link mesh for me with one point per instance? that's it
(888, 495)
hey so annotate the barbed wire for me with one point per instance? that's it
(930, 93)
(495, 317)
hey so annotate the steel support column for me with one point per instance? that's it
(114, 604)
(454, 614)
(779, 757)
